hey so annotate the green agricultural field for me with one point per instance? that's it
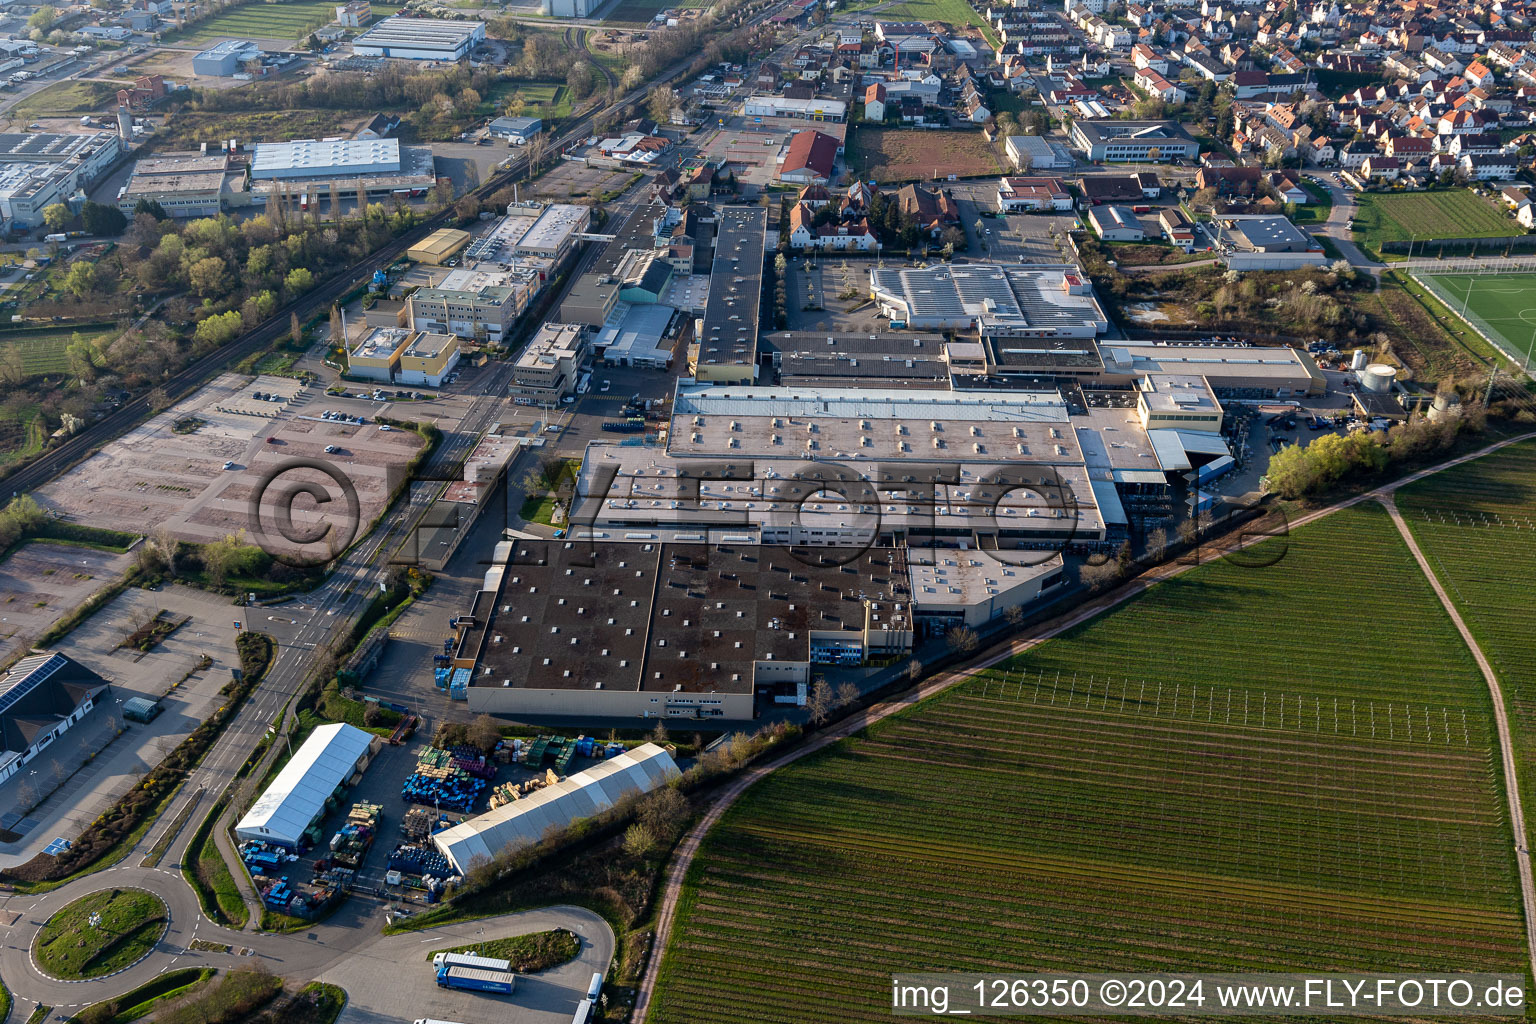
(548, 100)
(1476, 524)
(280, 21)
(1456, 213)
(42, 351)
(70, 946)
(1202, 779)
(635, 13)
(1502, 306)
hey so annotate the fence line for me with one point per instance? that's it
(1462, 308)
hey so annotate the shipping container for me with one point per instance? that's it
(474, 979)
(488, 963)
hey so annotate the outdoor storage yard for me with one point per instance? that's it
(1172, 786)
(158, 474)
(895, 154)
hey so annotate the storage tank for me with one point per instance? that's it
(1378, 377)
(1358, 360)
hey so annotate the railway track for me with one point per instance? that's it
(90, 439)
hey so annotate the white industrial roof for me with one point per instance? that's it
(584, 794)
(298, 794)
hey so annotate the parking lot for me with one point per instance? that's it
(568, 180)
(196, 467)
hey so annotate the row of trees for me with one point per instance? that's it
(1300, 470)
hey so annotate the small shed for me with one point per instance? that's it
(141, 709)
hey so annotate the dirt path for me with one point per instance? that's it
(688, 848)
(1501, 720)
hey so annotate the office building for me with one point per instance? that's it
(545, 370)
(41, 697)
(183, 184)
(39, 169)
(1111, 141)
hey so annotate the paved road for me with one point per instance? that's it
(677, 870)
(1501, 720)
(381, 974)
(1336, 228)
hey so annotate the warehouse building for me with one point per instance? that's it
(641, 770)
(296, 800)
(420, 39)
(227, 58)
(401, 355)
(1242, 371)
(1266, 242)
(183, 184)
(726, 349)
(440, 246)
(40, 698)
(325, 158)
(814, 109)
(649, 630)
(515, 129)
(996, 301)
(38, 169)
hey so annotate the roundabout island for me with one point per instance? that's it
(100, 934)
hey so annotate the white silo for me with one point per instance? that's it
(124, 124)
(1358, 360)
(1378, 378)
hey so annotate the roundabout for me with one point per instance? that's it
(346, 950)
(100, 934)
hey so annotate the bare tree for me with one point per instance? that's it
(914, 670)
(819, 701)
(961, 639)
(167, 546)
(1013, 614)
(1157, 544)
(659, 734)
(847, 693)
(1098, 575)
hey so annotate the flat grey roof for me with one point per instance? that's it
(729, 337)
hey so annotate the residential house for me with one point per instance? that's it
(932, 210)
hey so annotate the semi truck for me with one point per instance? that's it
(476, 979)
(583, 1012)
(488, 963)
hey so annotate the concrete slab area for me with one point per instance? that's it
(40, 583)
(201, 484)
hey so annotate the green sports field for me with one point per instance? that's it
(1502, 306)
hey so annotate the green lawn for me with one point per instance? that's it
(42, 351)
(547, 100)
(529, 954)
(286, 21)
(635, 13)
(1502, 305)
(70, 947)
(1454, 213)
(140, 1001)
(952, 12)
(1223, 774)
(209, 876)
(1476, 525)
(539, 509)
(65, 98)
(1316, 210)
